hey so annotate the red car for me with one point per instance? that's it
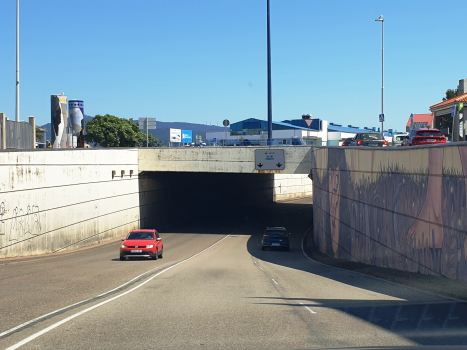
(424, 137)
(142, 244)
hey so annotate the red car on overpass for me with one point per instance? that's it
(142, 244)
(424, 137)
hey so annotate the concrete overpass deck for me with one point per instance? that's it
(220, 159)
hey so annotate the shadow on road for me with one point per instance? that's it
(434, 321)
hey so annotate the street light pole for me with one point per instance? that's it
(380, 19)
(17, 62)
(269, 80)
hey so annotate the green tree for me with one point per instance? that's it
(39, 135)
(450, 93)
(446, 122)
(111, 131)
(153, 141)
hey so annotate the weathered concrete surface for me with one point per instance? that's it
(54, 200)
(220, 159)
(401, 208)
(292, 186)
(51, 200)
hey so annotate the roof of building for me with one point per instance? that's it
(348, 128)
(421, 118)
(460, 98)
(263, 123)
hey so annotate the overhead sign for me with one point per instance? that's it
(175, 135)
(147, 123)
(308, 122)
(267, 159)
(187, 136)
(453, 111)
(381, 118)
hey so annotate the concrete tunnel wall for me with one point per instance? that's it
(54, 200)
(400, 208)
(57, 200)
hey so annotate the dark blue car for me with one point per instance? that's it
(275, 237)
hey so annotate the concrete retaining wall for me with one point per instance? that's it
(52, 200)
(220, 159)
(55, 200)
(292, 186)
(401, 208)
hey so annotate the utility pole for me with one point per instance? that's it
(17, 61)
(269, 80)
(380, 19)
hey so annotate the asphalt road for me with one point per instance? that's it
(215, 289)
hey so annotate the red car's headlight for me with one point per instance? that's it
(150, 246)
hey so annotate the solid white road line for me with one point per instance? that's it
(306, 307)
(55, 325)
(11, 330)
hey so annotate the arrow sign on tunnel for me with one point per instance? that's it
(269, 159)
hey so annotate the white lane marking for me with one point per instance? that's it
(306, 307)
(55, 325)
(274, 281)
(261, 268)
(72, 305)
(380, 279)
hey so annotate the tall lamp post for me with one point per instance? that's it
(269, 80)
(380, 19)
(17, 62)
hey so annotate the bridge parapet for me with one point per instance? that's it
(220, 159)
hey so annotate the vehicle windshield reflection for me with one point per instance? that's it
(140, 235)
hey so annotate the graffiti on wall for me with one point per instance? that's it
(20, 224)
(393, 211)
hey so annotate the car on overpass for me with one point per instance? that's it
(418, 137)
(370, 139)
(398, 138)
(347, 141)
(275, 237)
(142, 244)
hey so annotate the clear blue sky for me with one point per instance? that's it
(205, 60)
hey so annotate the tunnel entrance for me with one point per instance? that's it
(173, 197)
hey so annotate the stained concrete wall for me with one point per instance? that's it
(401, 208)
(56, 200)
(292, 186)
(53, 200)
(220, 159)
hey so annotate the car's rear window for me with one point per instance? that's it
(369, 137)
(429, 133)
(140, 235)
(275, 232)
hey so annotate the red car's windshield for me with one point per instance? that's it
(140, 235)
(429, 133)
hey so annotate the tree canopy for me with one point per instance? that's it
(111, 131)
(450, 93)
(39, 135)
